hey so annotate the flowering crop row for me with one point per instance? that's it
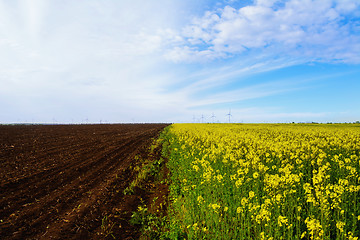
(262, 181)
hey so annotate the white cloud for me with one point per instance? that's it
(310, 29)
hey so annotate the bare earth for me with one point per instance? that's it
(67, 181)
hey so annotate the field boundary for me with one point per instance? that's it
(151, 186)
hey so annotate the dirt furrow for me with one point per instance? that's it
(61, 198)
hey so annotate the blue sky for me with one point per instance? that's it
(70, 61)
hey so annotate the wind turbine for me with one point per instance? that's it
(213, 116)
(229, 114)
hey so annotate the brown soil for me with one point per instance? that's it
(67, 181)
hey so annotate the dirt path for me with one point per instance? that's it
(62, 181)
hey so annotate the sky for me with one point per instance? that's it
(117, 61)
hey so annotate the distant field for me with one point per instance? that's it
(67, 181)
(264, 181)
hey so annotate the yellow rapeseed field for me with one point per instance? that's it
(264, 181)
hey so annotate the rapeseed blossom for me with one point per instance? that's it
(265, 181)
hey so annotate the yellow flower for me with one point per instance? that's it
(267, 201)
(282, 220)
(350, 236)
(238, 183)
(238, 210)
(214, 206)
(340, 225)
(278, 197)
(251, 194)
(314, 227)
(244, 201)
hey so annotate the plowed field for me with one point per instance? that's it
(61, 181)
